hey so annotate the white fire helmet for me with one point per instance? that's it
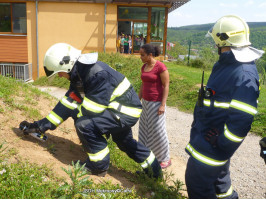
(232, 31)
(60, 57)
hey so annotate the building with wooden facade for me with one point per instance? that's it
(29, 27)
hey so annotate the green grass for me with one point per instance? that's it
(259, 124)
(26, 181)
(18, 96)
(56, 82)
(184, 85)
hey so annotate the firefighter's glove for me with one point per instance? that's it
(211, 136)
(27, 127)
(263, 148)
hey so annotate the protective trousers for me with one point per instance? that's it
(90, 131)
(208, 182)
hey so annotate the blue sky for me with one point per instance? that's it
(209, 11)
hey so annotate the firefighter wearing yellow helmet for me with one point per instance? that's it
(224, 112)
(109, 106)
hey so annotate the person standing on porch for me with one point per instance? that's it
(129, 44)
(118, 41)
(122, 43)
(154, 92)
(126, 45)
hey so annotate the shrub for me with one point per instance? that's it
(197, 63)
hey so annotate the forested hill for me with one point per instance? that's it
(196, 34)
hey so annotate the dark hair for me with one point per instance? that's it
(149, 48)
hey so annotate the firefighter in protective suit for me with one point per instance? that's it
(102, 102)
(224, 112)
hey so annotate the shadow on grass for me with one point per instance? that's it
(67, 151)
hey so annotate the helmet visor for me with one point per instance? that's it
(47, 72)
(209, 33)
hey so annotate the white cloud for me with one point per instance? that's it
(180, 19)
(261, 15)
(188, 16)
(262, 5)
(176, 14)
(232, 5)
(181, 14)
(249, 3)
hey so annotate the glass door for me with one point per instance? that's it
(139, 35)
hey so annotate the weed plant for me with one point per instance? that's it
(79, 180)
(81, 187)
(148, 187)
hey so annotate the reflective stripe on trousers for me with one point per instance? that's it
(205, 159)
(99, 156)
(224, 195)
(148, 161)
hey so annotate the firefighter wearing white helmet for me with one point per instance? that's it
(224, 112)
(60, 57)
(109, 106)
(230, 30)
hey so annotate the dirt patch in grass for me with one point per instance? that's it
(62, 147)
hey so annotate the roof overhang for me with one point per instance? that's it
(171, 4)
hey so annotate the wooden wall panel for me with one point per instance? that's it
(13, 49)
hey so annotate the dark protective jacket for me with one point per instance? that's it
(104, 89)
(230, 108)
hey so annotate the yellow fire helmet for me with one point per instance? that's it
(230, 30)
(60, 57)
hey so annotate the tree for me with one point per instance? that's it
(261, 66)
(209, 56)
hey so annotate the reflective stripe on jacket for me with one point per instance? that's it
(230, 109)
(65, 108)
(119, 91)
(105, 88)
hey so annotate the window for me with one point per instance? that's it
(157, 23)
(5, 17)
(133, 13)
(13, 18)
